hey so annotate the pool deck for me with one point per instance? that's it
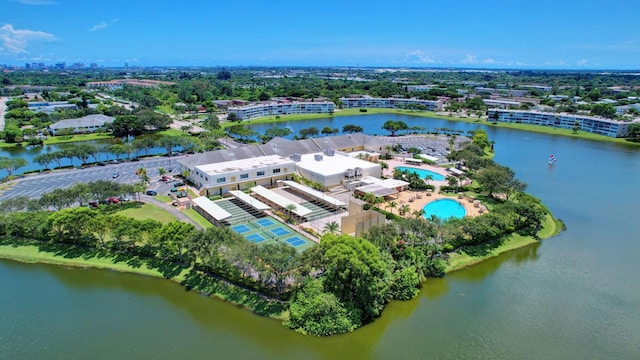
(417, 204)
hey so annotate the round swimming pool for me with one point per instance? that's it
(422, 173)
(444, 209)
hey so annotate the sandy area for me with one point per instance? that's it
(418, 203)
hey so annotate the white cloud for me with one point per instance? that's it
(37, 2)
(419, 57)
(16, 41)
(582, 62)
(472, 59)
(103, 25)
(469, 59)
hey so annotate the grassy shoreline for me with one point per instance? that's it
(463, 258)
(68, 256)
(433, 115)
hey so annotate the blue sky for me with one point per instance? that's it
(557, 34)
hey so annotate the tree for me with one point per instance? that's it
(44, 160)
(142, 174)
(309, 132)
(12, 133)
(117, 150)
(404, 209)
(11, 164)
(331, 227)
(356, 275)
(275, 131)
(350, 128)
(172, 239)
(394, 126)
(634, 132)
(392, 205)
(314, 311)
(127, 125)
(278, 262)
(291, 207)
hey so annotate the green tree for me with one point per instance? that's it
(394, 126)
(279, 261)
(350, 128)
(10, 165)
(356, 274)
(331, 227)
(314, 311)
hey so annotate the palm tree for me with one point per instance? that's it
(404, 209)
(142, 174)
(332, 227)
(418, 214)
(428, 178)
(392, 205)
(162, 171)
(290, 208)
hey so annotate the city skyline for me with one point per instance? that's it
(467, 34)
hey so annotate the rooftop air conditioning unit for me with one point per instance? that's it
(329, 152)
(318, 157)
(295, 157)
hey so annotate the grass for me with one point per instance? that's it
(474, 254)
(67, 255)
(199, 219)
(171, 132)
(164, 198)
(149, 212)
(52, 140)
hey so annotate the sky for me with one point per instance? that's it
(541, 34)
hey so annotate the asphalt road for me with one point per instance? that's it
(35, 185)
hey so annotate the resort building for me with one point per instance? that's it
(366, 101)
(220, 178)
(85, 124)
(269, 109)
(332, 169)
(49, 107)
(601, 126)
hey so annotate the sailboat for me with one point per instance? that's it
(552, 160)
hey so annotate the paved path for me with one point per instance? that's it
(172, 209)
(3, 108)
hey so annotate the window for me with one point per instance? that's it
(221, 180)
(275, 171)
(233, 178)
(244, 176)
(260, 173)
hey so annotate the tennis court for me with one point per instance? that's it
(268, 230)
(295, 241)
(265, 222)
(256, 238)
(279, 231)
(240, 228)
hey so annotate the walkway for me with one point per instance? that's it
(172, 209)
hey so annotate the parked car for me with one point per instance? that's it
(101, 164)
(93, 204)
(115, 175)
(179, 183)
(152, 192)
(113, 200)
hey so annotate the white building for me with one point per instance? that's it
(220, 178)
(334, 170)
(601, 126)
(270, 109)
(389, 103)
(85, 124)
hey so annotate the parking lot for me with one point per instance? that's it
(33, 186)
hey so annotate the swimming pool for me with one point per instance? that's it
(444, 209)
(422, 173)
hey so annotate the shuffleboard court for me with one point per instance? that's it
(279, 231)
(265, 222)
(295, 241)
(240, 228)
(256, 238)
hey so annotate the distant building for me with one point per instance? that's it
(601, 126)
(119, 83)
(415, 88)
(85, 124)
(501, 103)
(50, 106)
(365, 101)
(268, 109)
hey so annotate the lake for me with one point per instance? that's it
(574, 296)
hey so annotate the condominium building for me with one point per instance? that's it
(269, 109)
(601, 126)
(389, 103)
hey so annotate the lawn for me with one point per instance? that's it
(149, 211)
(193, 215)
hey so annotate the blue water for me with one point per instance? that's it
(422, 173)
(444, 209)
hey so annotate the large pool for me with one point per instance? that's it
(422, 173)
(444, 209)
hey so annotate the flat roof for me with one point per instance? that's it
(280, 200)
(392, 183)
(211, 208)
(255, 203)
(332, 165)
(315, 193)
(429, 157)
(244, 164)
(377, 190)
(413, 160)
